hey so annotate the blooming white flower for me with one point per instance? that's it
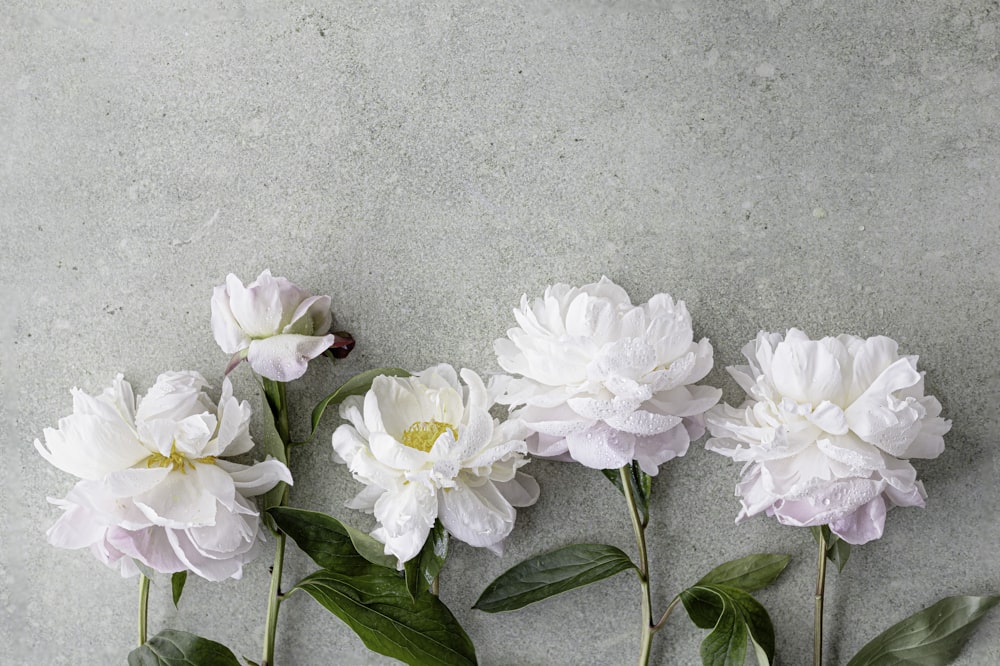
(827, 431)
(427, 449)
(154, 487)
(271, 322)
(604, 382)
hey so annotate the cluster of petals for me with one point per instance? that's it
(272, 323)
(604, 382)
(827, 431)
(154, 487)
(428, 449)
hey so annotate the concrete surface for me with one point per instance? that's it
(828, 165)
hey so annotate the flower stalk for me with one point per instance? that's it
(143, 606)
(639, 526)
(274, 392)
(820, 587)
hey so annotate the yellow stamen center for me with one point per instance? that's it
(176, 460)
(422, 434)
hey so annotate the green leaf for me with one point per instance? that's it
(733, 616)
(330, 543)
(838, 551)
(179, 648)
(931, 637)
(750, 573)
(356, 385)
(553, 573)
(376, 605)
(273, 446)
(642, 487)
(177, 585)
(424, 568)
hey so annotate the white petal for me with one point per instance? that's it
(479, 516)
(601, 447)
(226, 330)
(285, 358)
(522, 491)
(406, 518)
(256, 479)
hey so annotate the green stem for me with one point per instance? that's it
(643, 571)
(820, 586)
(274, 600)
(143, 606)
(435, 585)
(666, 614)
(277, 402)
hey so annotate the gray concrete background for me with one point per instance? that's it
(827, 165)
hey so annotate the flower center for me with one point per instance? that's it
(422, 434)
(176, 460)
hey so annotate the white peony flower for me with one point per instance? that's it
(428, 449)
(275, 325)
(827, 431)
(605, 382)
(154, 486)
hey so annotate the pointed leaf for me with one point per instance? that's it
(179, 648)
(374, 603)
(733, 615)
(424, 568)
(356, 385)
(177, 585)
(838, 551)
(273, 446)
(932, 637)
(642, 487)
(749, 573)
(553, 573)
(330, 543)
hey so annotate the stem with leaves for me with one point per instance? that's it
(639, 525)
(143, 606)
(820, 587)
(274, 394)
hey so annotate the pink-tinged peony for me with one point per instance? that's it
(605, 382)
(272, 323)
(427, 449)
(827, 431)
(155, 488)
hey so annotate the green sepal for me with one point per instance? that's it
(733, 616)
(177, 585)
(357, 385)
(837, 550)
(421, 570)
(179, 648)
(375, 603)
(330, 543)
(642, 487)
(750, 573)
(932, 637)
(550, 574)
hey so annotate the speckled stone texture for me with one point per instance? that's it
(827, 165)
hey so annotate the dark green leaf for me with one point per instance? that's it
(330, 543)
(179, 648)
(356, 385)
(425, 567)
(273, 446)
(749, 573)
(733, 615)
(838, 551)
(932, 637)
(642, 487)
(553, 573)
(376, 605)
(177, 585)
